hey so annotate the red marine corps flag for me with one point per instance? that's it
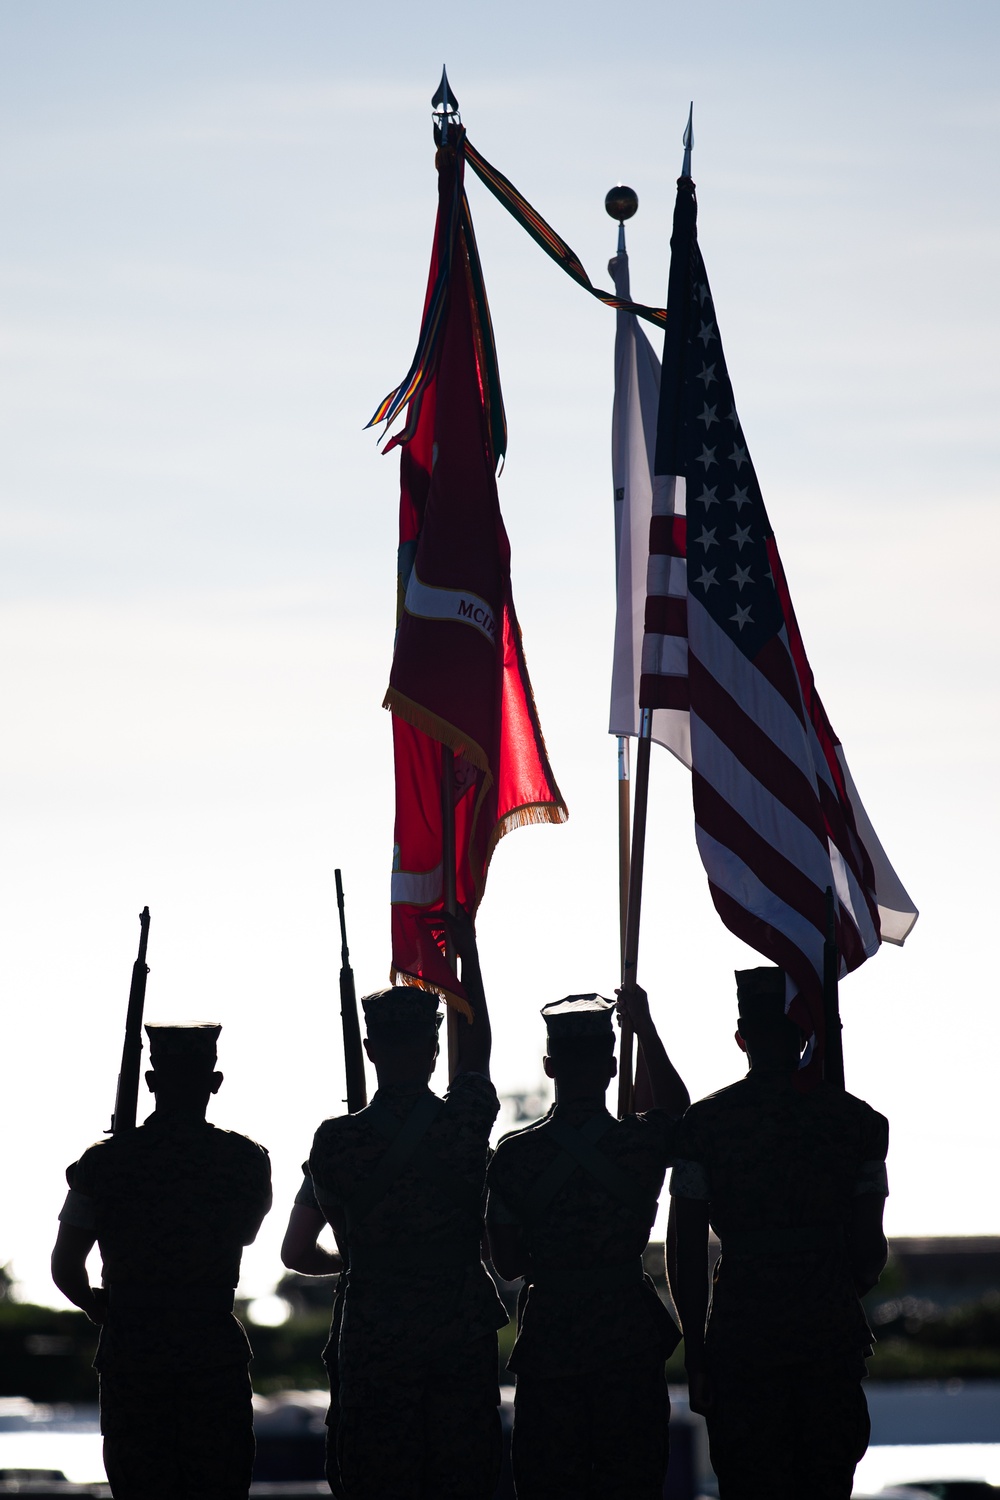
(467, 743)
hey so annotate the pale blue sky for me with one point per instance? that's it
(213, 248)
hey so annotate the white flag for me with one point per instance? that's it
(633, 447)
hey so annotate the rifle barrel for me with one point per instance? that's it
(354, 1061)
(127, 1095)
(345, 958)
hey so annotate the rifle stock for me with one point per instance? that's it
(354, 1061)
(127, 1095)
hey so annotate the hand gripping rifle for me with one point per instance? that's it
(354, 1061)
(127, 1097)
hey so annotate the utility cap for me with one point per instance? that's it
(190, 1042)
(403, 1008)
(578, 1015)
(761, 995)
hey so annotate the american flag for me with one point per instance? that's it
(778, 819)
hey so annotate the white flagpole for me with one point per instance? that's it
(623, 207)
(621, 203)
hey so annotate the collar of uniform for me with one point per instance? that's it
(772, 1081)
(175, 1122)
(398, 1098)
(578, 1109)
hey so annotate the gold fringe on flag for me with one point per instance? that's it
(436, 729)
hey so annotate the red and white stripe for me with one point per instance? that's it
(777, 815)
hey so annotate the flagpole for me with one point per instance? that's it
(641, 796)
(621, 203)
(448, 886)
(624, 831)
(631, 955)
(833, 1042)
(444, 107)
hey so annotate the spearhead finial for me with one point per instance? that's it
(445, 107)
(621, 203)
(688, 142)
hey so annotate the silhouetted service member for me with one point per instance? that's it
(171, 1205)
(401, 1183)
(794, 1185)
(571, 1203)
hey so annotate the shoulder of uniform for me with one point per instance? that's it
(863, 1107)
(658, 1117)
(337, 1123)
(873, 1127)
(237, 1142)
(472, 1078)
(339, 1130)
(110, 1155)
(99, 1148)
(729, 1095)
(850, 1104)
(513, 1139)
(91, 1157)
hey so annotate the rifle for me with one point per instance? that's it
(127, 1095)
(354, 1061)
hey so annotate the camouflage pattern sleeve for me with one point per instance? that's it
(690, 1176)
(83, 1175)
(79, 1211)
(79, 1208)
(254, 1187)
(498, 1210)
(474, 1099)
(872, 1176)
(689, 1179)
(306, 1195)
(659, 1131)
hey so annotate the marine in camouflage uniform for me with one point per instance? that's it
(401, 1183)
(171, 1205)
(793, 1184)
(571, 1203)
